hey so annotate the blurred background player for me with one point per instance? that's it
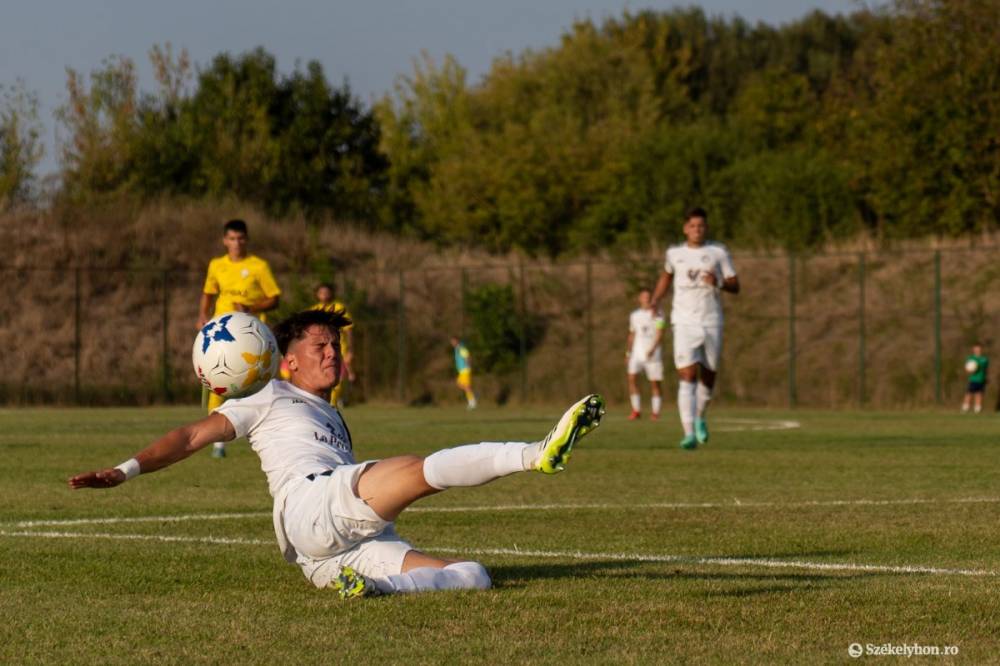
(976, 365)
(699, 270)
(236, 282)
(464, 369)
(326, 302)
(645, 333)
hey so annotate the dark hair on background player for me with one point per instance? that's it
(294, 327)
(697, 211)
(239, 226)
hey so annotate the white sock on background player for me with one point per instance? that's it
(686, 405)
(457, 576)
(704, 396)
(636, 401)
(476, 464)
(656, 402)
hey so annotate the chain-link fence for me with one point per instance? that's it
(838, 329)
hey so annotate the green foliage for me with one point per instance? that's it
(496, 326)
(286, 142)
(790, 136)
(20, 150)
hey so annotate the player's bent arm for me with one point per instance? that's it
(205, 308)
(628, 344)
(265, 305)
(732, 285)
(661, 288)
(173, 447)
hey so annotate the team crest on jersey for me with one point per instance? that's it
(244, 273)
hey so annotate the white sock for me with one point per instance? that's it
(686, 405)
(636, 401)
(656, 402)
(476, 464)
(219, 446)
(457, 576)
(704, 396)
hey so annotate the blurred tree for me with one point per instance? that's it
(20, 150)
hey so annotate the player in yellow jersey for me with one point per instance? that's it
(325, 301)
(236, 282)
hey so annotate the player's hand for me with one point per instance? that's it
(105, 478)
(650, 354)
(708, 277)
(239, 307)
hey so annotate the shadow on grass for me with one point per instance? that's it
(513, 576)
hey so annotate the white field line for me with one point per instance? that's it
(735, 504)
(744, 425)
(552, 554)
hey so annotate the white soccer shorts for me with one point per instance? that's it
(653, 368)
(330, 527)
(697, 344)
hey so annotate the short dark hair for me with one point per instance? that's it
(697, 211)
(239, 226)
(294, 327)
(323, 285)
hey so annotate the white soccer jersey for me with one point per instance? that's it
(644, 324)
(295, 433)
(695, 302)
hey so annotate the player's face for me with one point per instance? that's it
(315, 359)
(236, 243)
(695, 230)
(643, 299)
(324, 295)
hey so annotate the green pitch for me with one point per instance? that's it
(767, 545)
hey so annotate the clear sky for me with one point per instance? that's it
(366, 42)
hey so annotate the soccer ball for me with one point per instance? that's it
(971, 366)
(235, 354)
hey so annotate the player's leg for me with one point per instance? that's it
(388, 565)
(655, 400)
(978, 401)
(634, 398)
(654, 373)
(389, 486)
(708, 369)
(687, 353)
(212, 403)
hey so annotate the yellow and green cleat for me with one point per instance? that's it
(349, 584)
(578, 420)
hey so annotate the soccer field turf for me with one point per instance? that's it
(767, 545)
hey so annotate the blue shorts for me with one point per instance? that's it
(977, 387)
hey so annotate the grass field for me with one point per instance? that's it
(776, 546)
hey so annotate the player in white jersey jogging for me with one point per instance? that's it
(699, 270)
(332, 516)
(643, 354)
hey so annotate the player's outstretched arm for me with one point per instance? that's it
(173, 447)
(661, 288)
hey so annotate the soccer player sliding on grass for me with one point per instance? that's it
(332, 516)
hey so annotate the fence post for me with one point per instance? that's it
(792, 389)
(76, 337)
(862, 397)
(937, 326)
(165, 360)
(590, 327)
(401, 343)
(522, 334)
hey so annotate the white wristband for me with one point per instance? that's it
(130, 468)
